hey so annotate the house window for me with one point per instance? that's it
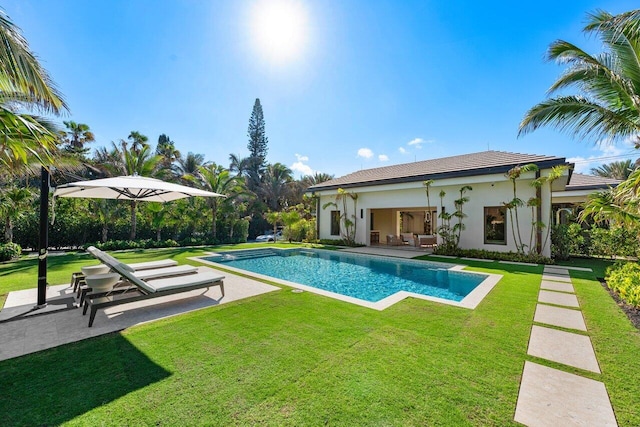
(335, 223)
(495, 225)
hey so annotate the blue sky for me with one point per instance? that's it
(371, 83)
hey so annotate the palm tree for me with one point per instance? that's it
(128, 161)
(216, 178)
(13, 201)
(616, 170)
(514, 174)
(316, 178)
(138, 140)
(239, 165)
(24, 84)
(607, 105)
(188, 166)
(276, 185)
(77, 135)
(166, 149)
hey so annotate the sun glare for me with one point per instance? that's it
(279, 29)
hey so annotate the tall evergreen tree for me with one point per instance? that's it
(257, 143)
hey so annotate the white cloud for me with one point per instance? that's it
(300, 165)
(416, 141)
(302, 168)
(402, 150)
(365, 152)
(383, 158)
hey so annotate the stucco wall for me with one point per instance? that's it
(488, 190)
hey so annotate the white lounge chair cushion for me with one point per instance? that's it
(153, 264)
(111, 261)
(184, 281)
(164, 272)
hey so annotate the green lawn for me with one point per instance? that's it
(301, 359)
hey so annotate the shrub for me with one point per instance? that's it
(337, 242)
(9, 251)
(560, 242)
(624, 278)
(500, 256)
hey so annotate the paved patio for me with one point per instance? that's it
(40, 332)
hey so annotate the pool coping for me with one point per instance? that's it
(470, 301)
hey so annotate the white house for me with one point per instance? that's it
(383, 203)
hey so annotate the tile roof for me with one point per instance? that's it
(485, 162)
(579, 181)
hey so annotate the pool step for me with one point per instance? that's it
(258, 253)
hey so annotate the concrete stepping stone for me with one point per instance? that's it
(558, 316)
(556, 277)
(556, 270)
(558, 298)
(557, 286)
(549, 397)
(563, 347)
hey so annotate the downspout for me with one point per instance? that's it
(317, 199)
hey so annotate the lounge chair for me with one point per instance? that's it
(427, 241)
(408, 239)
(156, 273)
(105, 258)
(139, 289)
(77, 278)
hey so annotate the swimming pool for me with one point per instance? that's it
(369, 279)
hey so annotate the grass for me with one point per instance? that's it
(302, 359)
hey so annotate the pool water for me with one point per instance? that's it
(363, 277)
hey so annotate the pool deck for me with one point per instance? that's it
(39, 332)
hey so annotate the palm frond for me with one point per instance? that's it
(22, 71)
(582, 118)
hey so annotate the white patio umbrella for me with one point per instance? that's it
(122, 188)
(130, 187)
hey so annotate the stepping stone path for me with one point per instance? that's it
(553, 397)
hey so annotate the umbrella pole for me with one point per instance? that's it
(44, 238)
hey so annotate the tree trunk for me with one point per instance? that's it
(158, 235)
(8, 230)
(105, 232)
(132, 236)
(214, 212)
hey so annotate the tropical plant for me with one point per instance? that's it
(276, 186)
(130, 161)
(624, 278)
(348, 222)
(512, 206)
(138, 141)
(166, 149)
(616, 170)
(188, 166)
(24, 84)
(459, 203)
(76, 136)
(217, 179)
(13, 201)
(606, 106)
(158, 212)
